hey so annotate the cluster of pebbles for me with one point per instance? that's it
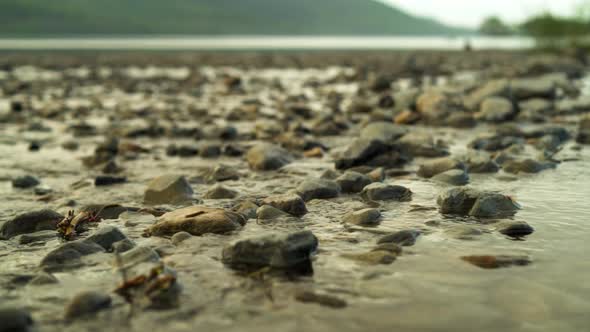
(235, 192)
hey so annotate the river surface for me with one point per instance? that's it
(266, 43)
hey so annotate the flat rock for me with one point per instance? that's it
(402, 238)
(278, 251)
(106, 236)
(220, 191)
(24, 182)
(454, 177)
(69, 255)
(289, 203)
(318, 189)
(365, 217)
(360, 152)
(168, 189)
(496, 110)
(418, 144)
(436, 166)
(496, 262)
(353, 182)
(385, 192)
(386, 132)
(197, 220)
(526, 166)
(267, 157)
(515, 229)
(30, 222)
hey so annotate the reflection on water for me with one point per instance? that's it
(267, 43)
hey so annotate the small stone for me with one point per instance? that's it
(168, 189)
(526, 166)
(42, 190)
(516, 229)
(210, 151)
(365, 217)
(318, 189)
(219, 191)
(289, 203)
(123, 246)
(316, 152)
(386, 132)
(15, 320)
(437, 166)
(69, 255)
(353, 182)
(384, 192)
(180, 237)
(30, 222)
(267, 157)
(220, 173)
(495, 262)
(70, 145)
(247, 209)
(379, 257)
(268, 212)
(323, 300)
(111, 167)
(106, 236)
(404, 238)
(463, 232)
(197, 220)
(454, 177)
(496, 109)
(43, 278)
(25, 182)
(86, 304)
(466, 201)
(107, 180)
(361, 152)
(278, 251)
(41, 236)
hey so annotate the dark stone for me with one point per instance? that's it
(86, 304)
(106, 237)
(107, 180)
(15, 320)
(25, 182)
(403, 238)
(30, 222)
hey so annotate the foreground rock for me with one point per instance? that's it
(15, 320)
(496, 262)
(385, 192)
(30, 222)
(197, 220)
(318, 189)
(290, 203)
(278, 251)
(267, 157)
(168, 189)
(470, 202)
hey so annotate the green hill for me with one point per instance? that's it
(211, 17)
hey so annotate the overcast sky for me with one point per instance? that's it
(471, 12)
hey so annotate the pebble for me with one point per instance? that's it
(353, 182)
(180, 237)
(385, 192)
(69, 255)
(496, 110)
(318, 189)
(515, 229)
(437, 166)
(291, 251)
(25, 182)
(321, 299)
(197, 220)
(496, 262)
(106, 236)
(30, 222)
(403, 238)
(289, 203)
(107, 180)
(86, 304)
(365, 217)
(467, 201)
(267, 157)
(220, 191)
(454, 177)
(168, 189)
(15, 320)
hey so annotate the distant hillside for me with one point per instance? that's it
(211, 17)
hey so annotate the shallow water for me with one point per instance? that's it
(428, 288)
